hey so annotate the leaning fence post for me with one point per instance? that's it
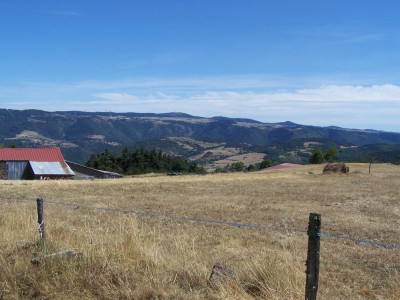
(312, 263)
(42, 232)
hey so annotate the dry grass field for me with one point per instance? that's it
(125, 256)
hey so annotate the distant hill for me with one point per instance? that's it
(80, 134)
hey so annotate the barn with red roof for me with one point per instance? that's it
(33, 163)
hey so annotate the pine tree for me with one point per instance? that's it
(317, 157)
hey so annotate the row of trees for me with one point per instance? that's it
(318, 156)
(142, 161)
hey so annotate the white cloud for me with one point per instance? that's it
(355, 106)
(348, 106)
(188, 83)
(347, 93)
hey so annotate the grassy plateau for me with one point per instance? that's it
(130, 256)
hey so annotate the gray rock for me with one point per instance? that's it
(220, 273)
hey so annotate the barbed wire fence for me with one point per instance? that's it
(209, 221)
(314, 234)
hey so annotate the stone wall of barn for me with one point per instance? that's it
(3, 170)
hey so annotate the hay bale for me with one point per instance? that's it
(336, 168)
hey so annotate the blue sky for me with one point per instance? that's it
(312, 62)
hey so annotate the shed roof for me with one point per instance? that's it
(81, 169)
(50, 168)
(52, 154)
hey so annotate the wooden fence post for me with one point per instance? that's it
(312, 272)
(42, 232)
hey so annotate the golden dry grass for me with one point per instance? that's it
(129, 257)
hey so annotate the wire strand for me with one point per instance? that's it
(225, 223)
(164, 216)
(233, 224)
(361, 241)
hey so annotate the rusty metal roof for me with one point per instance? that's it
(32, 154)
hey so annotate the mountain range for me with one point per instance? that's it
(213, 141)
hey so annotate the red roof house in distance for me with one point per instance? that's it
(282, 166)
(33, 163)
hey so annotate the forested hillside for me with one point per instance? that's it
(81, 134)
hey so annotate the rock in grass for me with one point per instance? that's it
(220, 273)
(65, 253)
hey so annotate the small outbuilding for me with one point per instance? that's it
(33, 163)
(83, 172)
